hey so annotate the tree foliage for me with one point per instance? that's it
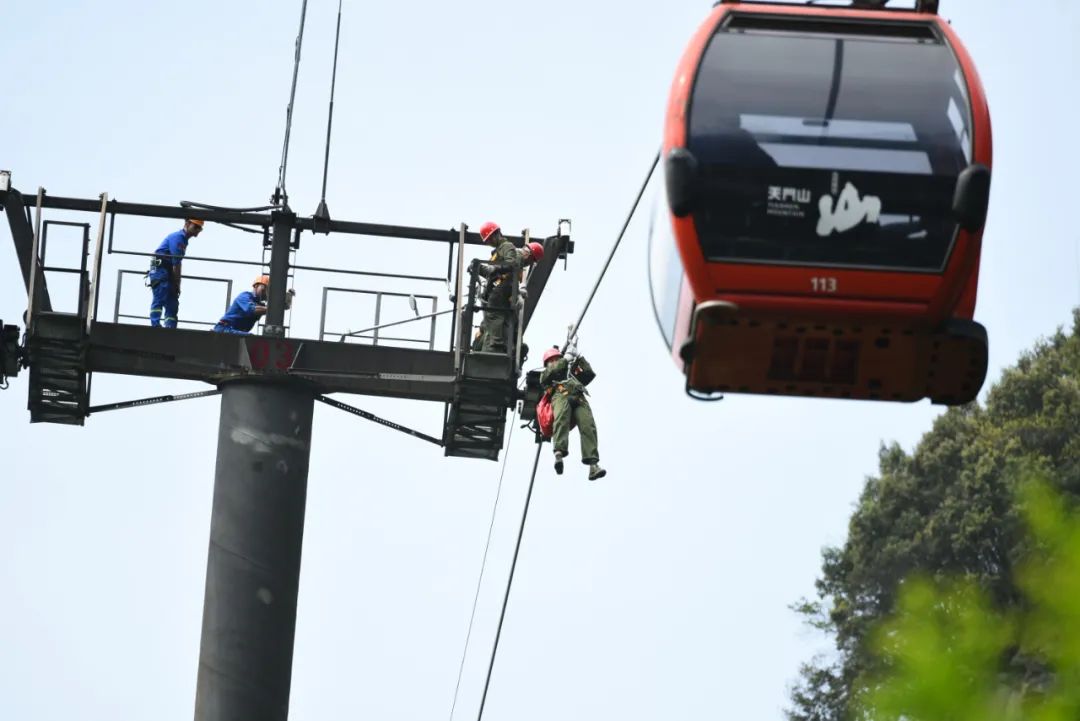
(943, 648)
(947, 513)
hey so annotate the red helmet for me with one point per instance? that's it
(487, 229)
(551, 353)
(537, 251)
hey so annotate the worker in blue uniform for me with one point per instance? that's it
(165, 272)
(246, 309)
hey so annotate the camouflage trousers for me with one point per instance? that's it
(573, 408)
(495, 329)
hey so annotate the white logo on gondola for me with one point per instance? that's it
(784, 195)
(848, 211)
(787, 202)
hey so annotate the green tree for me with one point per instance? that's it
(942, 649)
(946, 513)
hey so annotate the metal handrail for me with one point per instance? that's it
(379, 294)
(34, 269)
(396, 322)
(95, 278)
(260, 264)
(457, 299)
(121, 272)
(178, 322)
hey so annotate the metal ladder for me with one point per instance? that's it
(57, 344)
(291, 276)
(476, 422)
(58, 389)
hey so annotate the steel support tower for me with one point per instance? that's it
(268, 385)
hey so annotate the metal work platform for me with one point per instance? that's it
(62, 350)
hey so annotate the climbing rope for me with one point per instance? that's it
(536, 464)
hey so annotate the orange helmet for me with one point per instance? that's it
(263, 280)
(487, 229)
(196, 221)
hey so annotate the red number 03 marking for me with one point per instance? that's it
(280, 355)
(259, 352)
(284, 353)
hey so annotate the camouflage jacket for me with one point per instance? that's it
(563, 377)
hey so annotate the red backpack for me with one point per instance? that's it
(545, 415)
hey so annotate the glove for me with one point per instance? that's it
(524, 293)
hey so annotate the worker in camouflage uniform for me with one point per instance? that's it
(505, 260)
(564, 377)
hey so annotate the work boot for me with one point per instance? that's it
(595, 471)
(558, 462)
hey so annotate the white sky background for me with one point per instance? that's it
(660, 592)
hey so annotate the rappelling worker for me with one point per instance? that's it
(246, 309)
(505, 260)
(164, 275)
(564, 379)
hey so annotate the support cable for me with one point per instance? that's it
(509, 582)
(150, 401)
(322, 212)
(376, 419)
(615, 247)
(280, 196)
(483, 566)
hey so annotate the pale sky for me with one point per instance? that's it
(661, 592)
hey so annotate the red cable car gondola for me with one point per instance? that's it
(827, 173)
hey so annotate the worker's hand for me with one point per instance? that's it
(260, 310)
(524, 293)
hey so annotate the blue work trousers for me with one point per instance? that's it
(165, 304)
(219, 328)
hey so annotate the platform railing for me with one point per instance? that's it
(372, 333)
(112, 247)
(117, 315)
(41, 258)
(105, 243)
